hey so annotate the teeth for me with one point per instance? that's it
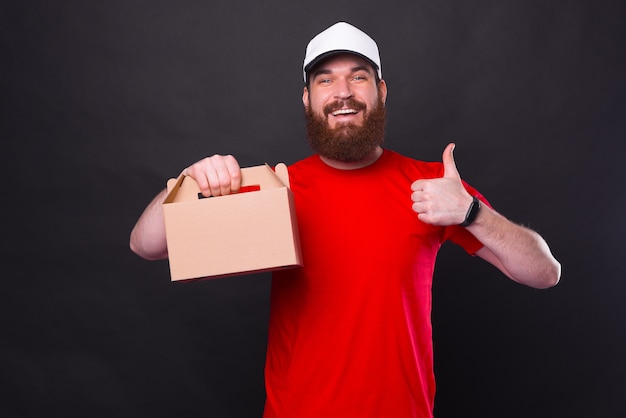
(344, 112)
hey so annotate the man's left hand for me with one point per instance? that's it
(442, 201)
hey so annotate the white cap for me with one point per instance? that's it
(339, 38)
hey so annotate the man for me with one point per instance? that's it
(350, 332)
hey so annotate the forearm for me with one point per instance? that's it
(522, 254)
(147, 239)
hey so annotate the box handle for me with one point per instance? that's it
(242, 189)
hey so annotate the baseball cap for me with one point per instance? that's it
(340, 38)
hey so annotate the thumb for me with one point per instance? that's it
(449, 166)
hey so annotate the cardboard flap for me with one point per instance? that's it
(171, 183)
(182, 189)
(261, 175)
(283, 173)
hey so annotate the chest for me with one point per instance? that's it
(370, 216)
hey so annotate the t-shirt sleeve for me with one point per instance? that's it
(464, 238)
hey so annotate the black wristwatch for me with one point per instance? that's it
(472, 212)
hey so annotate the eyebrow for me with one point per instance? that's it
(353, 70)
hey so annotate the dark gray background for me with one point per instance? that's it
(102, 102)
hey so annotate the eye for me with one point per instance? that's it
(322, 79)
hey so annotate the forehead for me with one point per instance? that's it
(342, 62)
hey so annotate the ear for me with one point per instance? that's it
(382, 91)
(305, 98)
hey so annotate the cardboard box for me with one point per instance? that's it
(240, 233)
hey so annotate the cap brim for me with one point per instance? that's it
(329, 54)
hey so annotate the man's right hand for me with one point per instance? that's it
(217, 175)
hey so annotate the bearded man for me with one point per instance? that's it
(350, 332)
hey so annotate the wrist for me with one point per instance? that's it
(472, 212)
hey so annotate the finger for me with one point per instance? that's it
(203, 184)
(219, 176)
(208, 175)
(234, 173)
(417, 196)
(200, 177)
(418, 207)
(213, 179)
(417, 185)
(449, 166)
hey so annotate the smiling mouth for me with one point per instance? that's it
(344, 112)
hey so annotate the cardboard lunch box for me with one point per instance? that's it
(241, 233)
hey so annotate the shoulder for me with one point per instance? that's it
(390, 163)
(310, 160)
(411, 166)
(307, 165)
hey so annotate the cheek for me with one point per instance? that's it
(373, 101)
(317, 101)
(316, 108)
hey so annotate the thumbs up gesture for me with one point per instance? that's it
(442, 201)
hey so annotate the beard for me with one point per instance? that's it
(346, 142)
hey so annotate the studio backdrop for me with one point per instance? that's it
(102, 102)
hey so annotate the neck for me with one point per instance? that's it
(368, 160)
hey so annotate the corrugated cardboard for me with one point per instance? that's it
(235, 234)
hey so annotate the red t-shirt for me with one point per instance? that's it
(350, 332)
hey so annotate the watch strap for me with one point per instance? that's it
(472, 212)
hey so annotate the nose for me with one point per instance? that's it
(343, 90)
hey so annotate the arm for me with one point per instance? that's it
(147, 239)
(520, 253)
(217, 175)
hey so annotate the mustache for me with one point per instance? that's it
(340, 104)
